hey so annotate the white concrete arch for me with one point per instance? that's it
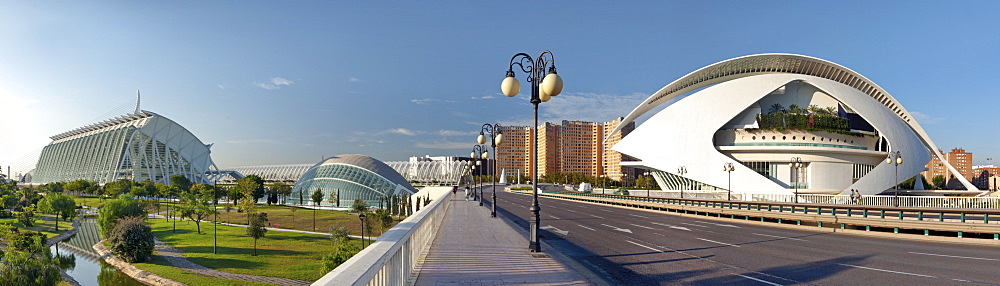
(789, 64)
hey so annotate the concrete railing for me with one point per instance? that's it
(954, 220)
(391, 259)
(867, 200)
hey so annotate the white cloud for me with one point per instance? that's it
(403, 131)
(589, 106)
(428, 100)
(925, 119)
(254, 141)
(484, 97)
(456, 133)
(439, 144)
(274, 83)
(353, 79)
(220, 86)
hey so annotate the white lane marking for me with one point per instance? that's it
(966, 257)
(913, 274)
(618, 229)
(596, 216)
(572, 211)
(758, 280)
(691, 224)
(718, 224)
(647, 247)
(563, 232)
(723, 243)
(672, 226)
(638, 215)
(782, 237)
(591, 229)
(646, 227)
(554, 217)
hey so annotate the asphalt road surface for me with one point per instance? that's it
(640, 247)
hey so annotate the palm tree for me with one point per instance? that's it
(777, 108)
(794, 108)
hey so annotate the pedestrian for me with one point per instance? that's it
(466, 194)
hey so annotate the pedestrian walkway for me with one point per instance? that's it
(471, 248)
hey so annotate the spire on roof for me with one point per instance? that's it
(136, 101)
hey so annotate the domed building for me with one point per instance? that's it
(354, 176)
(762, 112)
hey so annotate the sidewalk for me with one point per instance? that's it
(471, 248)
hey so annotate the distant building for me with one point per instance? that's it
(352, 176)
(288, 173)
(572, 146)
(431, 170)
(986, 177)
(958, 158)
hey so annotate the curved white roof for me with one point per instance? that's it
(779, 63)
(368, 163)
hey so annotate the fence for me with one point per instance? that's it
(390, 260)
(870, 200)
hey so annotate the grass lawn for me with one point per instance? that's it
(280, 254)
(43, 223)
(84, 200)
(163, 268)
(282, 217)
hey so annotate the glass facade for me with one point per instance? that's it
(351, 181)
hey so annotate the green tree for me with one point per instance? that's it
(938, 181)
(182, 183)
(380, 219)
(334, 199)
(131, 239)
(280, 189)
(775, 108)
(28, 262)
(117, 188)
(115, 209)
(359, 205)
(341, 254)
(247, 202)
(317, 197)
(338, 233)
(58, 204)
(198, 206)
(256, 229)
(27, 216)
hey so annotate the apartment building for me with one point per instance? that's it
(571, 146)
(960, 159)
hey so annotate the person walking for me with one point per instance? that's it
(466, 193)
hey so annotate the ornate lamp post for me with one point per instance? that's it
(728, 168)
(215, 222)
(682, 170)
(479, 151)
(497, 136)
(795, 165)
(895, 159)
(541, 91)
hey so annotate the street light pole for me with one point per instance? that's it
(361, 216)
(479, 151)
(497, 138)
(215, 224)
(542, 89)
(682, 170)
(895, 159)
(728, 168)
(794, 165)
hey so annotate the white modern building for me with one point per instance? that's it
(288, 173)
(138, 146)
(760, 112)
(431, 170)
(350, 176)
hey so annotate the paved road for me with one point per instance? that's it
(636, 247)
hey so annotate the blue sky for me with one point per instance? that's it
(289, 82)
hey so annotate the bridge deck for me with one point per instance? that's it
(473, 248)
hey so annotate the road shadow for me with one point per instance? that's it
(803, 273)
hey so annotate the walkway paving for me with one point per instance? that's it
(176, 258)
(471, 248)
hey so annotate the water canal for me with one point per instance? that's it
(78, 259)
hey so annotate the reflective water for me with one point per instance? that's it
(86, 268)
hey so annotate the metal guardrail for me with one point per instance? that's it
(391, 259)
(868, 200)
(958, 220)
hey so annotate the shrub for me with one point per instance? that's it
(343, 252)
(131, 239)
(115, 209)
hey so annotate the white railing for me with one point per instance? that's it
(866, 200)
(391, 259)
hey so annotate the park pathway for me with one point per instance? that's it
(176, 258)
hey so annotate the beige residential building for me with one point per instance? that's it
(572, 146)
